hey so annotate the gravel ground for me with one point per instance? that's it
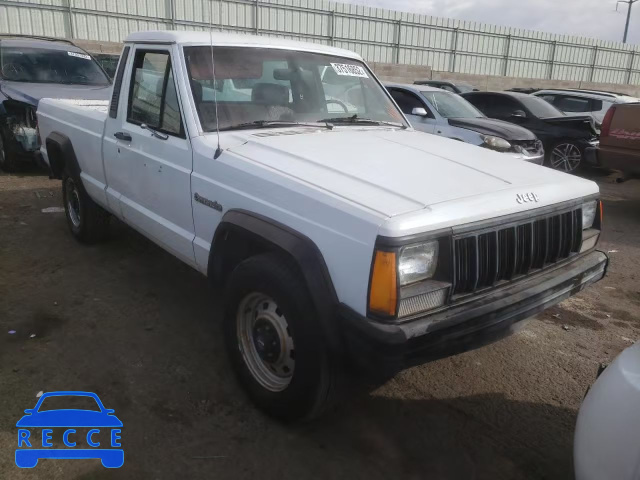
(131, 323)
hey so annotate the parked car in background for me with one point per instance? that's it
(108, 62)
(584, 102)
(457, 87)
(620, 139)
(567, 141)
(607, 438)
(32, 68)
(433, 110)
(523, 89)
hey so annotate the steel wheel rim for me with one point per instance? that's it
(73, 203)
(265, 341)
(566, 156)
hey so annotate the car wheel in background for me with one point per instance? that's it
(88, 222)
(565, 156)
(7, 160)
(274, 340)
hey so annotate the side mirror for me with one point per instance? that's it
(109, 411)
(29, 411)
(419, 111)
(518, 114)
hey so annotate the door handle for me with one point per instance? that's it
(122, 136)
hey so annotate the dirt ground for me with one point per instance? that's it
(131, 323)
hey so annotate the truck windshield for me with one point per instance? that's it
(255, 86)
(45, 65)
(450, 105)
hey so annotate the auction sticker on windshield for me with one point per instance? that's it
(79, 55)
(347, 70)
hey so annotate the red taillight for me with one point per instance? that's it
(606, 123)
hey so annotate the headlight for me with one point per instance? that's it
(418, 262)
(589, 213)
(496, 143)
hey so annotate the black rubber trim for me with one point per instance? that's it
(476, 323)
(117, 85)
(300, 248)
(61, 155)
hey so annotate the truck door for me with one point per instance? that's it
(152, 162)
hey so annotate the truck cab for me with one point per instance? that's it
(343, 239)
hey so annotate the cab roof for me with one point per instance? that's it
(228, 40)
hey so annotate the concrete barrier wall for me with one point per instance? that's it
(403, 73)
(392, 72)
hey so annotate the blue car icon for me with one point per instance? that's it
(102, 418)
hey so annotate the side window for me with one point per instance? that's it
(448, 88)
(153, 99)
(574, 104)
(549, 98)
(406, 101)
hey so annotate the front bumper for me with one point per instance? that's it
(537, 159)
(391, 347)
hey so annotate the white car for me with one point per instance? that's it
(607, 438)
(343, 241)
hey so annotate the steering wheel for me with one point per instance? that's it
(13, 70)
(344, 107)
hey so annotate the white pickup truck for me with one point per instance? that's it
(344, 239)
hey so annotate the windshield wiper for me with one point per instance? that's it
(356, 119)
(277, 123)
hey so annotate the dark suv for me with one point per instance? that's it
(32, 68)
(568, 141)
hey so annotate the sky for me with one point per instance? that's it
(587, 18)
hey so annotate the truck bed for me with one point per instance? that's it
(82, 121)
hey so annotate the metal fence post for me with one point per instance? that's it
(172, 6)
(506, 56)
(71, 27)
(257, 17)
(552, 59)
(632, 55)
(593, 63)
(399, 28)
(332, 27)
(454, 47)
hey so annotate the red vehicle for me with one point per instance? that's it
(620, 139)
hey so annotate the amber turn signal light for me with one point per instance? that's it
(383, 296)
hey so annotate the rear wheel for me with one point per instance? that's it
(274, 340)
(565, 156)
(88, 222)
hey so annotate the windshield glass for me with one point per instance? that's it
(539, 107)
(41, 65)
(450, 105)
(273, 85)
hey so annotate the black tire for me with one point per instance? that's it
(8, 161)
(573, 161)
(88, 222)
(311, 387)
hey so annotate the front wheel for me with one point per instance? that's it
(565, 156)
(274, 340)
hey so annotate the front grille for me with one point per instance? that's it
(486, 258)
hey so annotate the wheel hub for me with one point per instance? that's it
(265, 341)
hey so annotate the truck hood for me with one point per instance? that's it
(31, 93)
(393, 172)
(490, 126)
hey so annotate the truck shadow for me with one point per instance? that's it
(484, 436)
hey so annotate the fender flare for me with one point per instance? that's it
(300, 248)
(61, 155)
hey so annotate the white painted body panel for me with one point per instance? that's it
(341, 188)
(607, 437)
